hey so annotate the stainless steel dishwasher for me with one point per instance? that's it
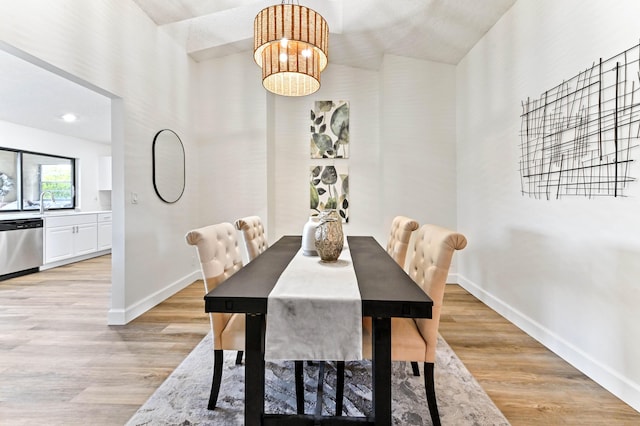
(21, 244)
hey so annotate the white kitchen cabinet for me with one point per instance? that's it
(85, 239)
(58, 243)
(104, 231)
(70, 236)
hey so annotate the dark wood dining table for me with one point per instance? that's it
(385, 289)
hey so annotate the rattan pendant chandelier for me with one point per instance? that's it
(290, 45)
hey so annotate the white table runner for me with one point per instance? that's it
(314, 311)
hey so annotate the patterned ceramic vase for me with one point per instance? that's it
(329, 236)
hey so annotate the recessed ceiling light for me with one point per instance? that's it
(69, 117)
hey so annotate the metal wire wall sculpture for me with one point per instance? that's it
(576, 139)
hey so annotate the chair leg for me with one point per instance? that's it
(416, 369)
(218, 358)
(299, 387)
(239, 357)
(429, 385)
(339, 387)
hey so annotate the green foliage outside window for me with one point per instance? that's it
(58, 180)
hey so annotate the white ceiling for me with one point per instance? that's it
(361, 32)
(33, 96)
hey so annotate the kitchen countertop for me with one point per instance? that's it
(50, 213)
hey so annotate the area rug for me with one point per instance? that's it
(182, 398)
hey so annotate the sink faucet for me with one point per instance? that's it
(42, 194)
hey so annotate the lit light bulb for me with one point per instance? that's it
(283, 57)
(306, 53)
(69, 117)
(284, 42)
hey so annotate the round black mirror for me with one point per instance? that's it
(168, 166)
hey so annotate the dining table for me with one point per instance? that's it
(385, 289)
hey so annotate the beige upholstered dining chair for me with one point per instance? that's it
(397, 246)
(401, 229)
(415, 339)
(254, 238)
(219, 255)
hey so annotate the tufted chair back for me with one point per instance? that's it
(429, 267)
(254, 238)
(401, 229)
(219, 255)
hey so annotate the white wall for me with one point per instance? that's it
(418, 151)
(291, 145)
(231, 131)
(255, 146)
(87, 153)
(114, 46)
(232, 143)
(566, 271)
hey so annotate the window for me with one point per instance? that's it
(58, 179)
(31, 178)
(9, 181)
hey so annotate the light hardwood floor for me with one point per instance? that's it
(60, 364)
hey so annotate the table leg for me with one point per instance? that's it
(381, 370)
(254, 370)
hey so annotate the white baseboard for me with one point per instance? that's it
(74, 259)
(123, 316)
(614, 382)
